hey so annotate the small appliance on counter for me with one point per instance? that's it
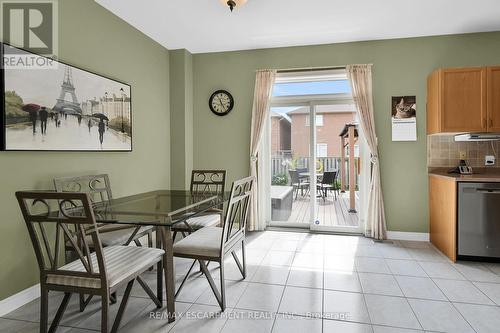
(463, 168)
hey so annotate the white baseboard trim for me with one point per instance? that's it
(17, 300)
(411, 236)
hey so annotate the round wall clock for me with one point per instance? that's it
(221, 102)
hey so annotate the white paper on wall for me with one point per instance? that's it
(404, 129)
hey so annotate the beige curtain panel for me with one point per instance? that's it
(360, 77)
(264, 82)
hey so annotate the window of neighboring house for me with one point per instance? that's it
(319, 120)
(321, 150)
(356, 151)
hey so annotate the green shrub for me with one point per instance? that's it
(280, 179)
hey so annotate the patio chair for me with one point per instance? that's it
(327, 184)
(204, 183)
(215, 243)
(298, 183)
(49, 221)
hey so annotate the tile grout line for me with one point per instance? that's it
(453, 305)
(283, 293)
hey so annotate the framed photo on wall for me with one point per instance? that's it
(61, 107)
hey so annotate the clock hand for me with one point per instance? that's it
(220, 101)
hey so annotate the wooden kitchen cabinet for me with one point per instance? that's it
(457, 100)
(493, 97)
(443, 214)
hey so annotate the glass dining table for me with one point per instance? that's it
(161, 209)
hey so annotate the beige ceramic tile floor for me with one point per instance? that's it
(299, 282)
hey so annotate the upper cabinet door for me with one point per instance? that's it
(463, 101)
(493, 99)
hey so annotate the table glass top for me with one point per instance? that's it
(164, 207)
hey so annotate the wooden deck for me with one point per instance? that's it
(330, 212)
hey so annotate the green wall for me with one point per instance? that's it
(400, 68)
(92, 38)
(181, 118)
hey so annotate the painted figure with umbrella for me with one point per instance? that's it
(102, 126)
(32, 109)
(44, 115)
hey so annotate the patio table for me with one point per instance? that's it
(308, 174)
(162, 209)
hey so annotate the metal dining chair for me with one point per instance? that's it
(51, 218)
(215, 243)
(99, 189)
(204, 183)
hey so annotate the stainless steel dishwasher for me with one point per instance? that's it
(479, 220)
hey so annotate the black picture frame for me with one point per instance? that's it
(3, 122)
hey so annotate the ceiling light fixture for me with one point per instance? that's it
(233, 3)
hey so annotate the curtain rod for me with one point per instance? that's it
(311, 69)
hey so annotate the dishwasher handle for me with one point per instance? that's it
(488, 190)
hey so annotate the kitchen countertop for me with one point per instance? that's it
(479, 175)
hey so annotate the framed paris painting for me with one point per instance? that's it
(48, 105)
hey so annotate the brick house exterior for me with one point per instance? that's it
(291, 131)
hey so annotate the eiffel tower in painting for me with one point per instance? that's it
(67, 87)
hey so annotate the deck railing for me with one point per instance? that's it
(281, 164)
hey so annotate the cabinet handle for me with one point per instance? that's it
(484, 123)
(491, 123)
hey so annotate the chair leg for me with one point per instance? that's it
(220, 299)
(159, 270)
(60, 312)
(185, 279)
(150, 239)
(113, 298)
(244, 257)
(123, 305)
(148, 291)
(174, 235)
(150, 245)
(44, 310)
(222, 286)
(240, 267)
(82, 302)
(104, 313)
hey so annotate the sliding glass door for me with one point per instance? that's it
(290, 181)
(314, 165)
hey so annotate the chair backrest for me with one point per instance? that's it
(301, 170)
(207, 183)
(237, 211)
(97, 186)
(329, 177)
(49, 223)
(294, 176)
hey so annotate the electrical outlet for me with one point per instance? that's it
(463, 155)
(489, 160)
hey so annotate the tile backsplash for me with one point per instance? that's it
(443, 151)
